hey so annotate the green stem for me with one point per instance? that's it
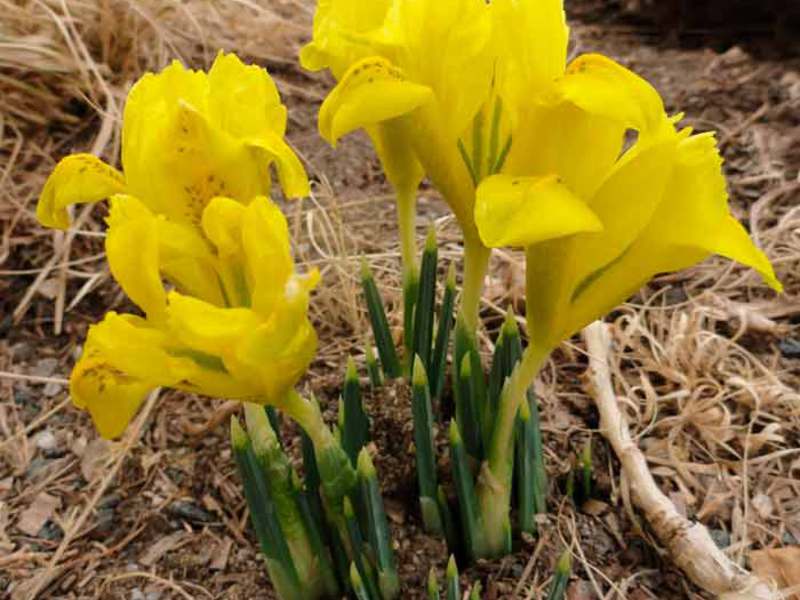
(494, 488)
(337, 476)
(406, 222)
(476, 263)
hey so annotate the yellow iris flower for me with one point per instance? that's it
(597, 218)
(412, 73)
(187, 136)
(191, 210)
(234, 326)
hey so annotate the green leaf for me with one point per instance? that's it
(353, 420)
(425, 450)
(426, 297)
(380, 324)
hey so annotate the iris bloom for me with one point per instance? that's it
(413, 74)
(599, 187)
(194, 241)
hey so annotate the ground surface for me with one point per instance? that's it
(707, 359)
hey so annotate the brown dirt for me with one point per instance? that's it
(708, 357)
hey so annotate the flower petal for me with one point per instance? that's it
(339, 33)
(133, 254)
(267, 252)
(243, 100)
(601, 86)
(175, 155)
(207, 328)
(122, 361)
(373, 90)
(78, 178)
(532, 36)
(291, 173)
(521, 211)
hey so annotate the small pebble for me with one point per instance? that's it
(45, 440)
(790, 348)
(190, 512)
(721, 538)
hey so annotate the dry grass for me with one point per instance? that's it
(708, 391)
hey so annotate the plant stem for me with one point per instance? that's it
(406, 217)
(337, 475)
(476, 263)
(494, 488)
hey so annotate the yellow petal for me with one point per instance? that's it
(446, 46)
(222, 225)
(267, 251)
(176, 157)
(373, 90)
(112, 398)
(691, 223)
(603, 87)
(561, 269)
(625, 203)
(292, 175)
(243, 99)
(696, 214)
(207, 328)
(532, 37)
(561, 138)
(78, 178)
(278, 352)
(339, 28)
(122, 361)
(521, 211)
(133, 255)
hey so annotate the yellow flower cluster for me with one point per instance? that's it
(578, 163)
(195, 242)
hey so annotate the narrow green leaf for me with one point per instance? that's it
(467, 411)
(356, 542)
(462, 149)
(433, 585)
(410, 292)
(425, 451)
(357, 583)
(317, 536)
(498, 371)
(525, 472)
(426, 297)
(263, 513)
(274, 421)
(448, 522)
(377, 527)
(477, 145)
(501, 160)
(353, 420)
(439, 358)
(373, 369)
(558, 588)
(453, 587)
(380, 324)
(494, 135)
(475, 592)
(471, 522)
